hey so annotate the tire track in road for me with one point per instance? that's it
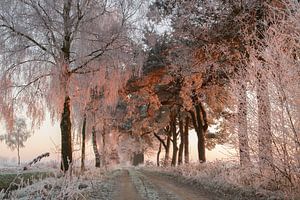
(148, 190)
(125, 188)
(183, 192)
(132, 184)
(180, 191)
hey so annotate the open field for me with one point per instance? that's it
(14, 180)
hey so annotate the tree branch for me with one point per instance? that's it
(93, 56)
(26, 36)
(194, 119)
(161, 140)
(27, 61)
(23, 87)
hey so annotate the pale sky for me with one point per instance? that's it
(42, 141)
(47, 139)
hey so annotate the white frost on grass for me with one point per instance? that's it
(104, 188)
(51, 188)
(57, 187)
(223, 178)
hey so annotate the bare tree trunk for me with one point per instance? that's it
(167, 154)
(18, 146)
(95, 147)
(174, 135)
(242, 127)
(83, 144)
(181, 132)
(161, 142)
(138, 158)
(66, 137)
(158, 154)
(186, 141)
(202, 117)
(104, 156)
(200, 130)
(65, 125)
(264, 125)
(18, 149)
(264, 115)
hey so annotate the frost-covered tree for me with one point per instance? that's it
(17, 137)
(277, 58)
(266, 108)
(96, 108)
(47, 45)
(201, 55)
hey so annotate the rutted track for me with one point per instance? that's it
(181, 191)
(131, 184)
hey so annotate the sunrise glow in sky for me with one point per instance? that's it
(47, 139)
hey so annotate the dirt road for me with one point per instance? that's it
(131, 184)
(125, 188)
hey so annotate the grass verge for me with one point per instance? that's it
(15, 180)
